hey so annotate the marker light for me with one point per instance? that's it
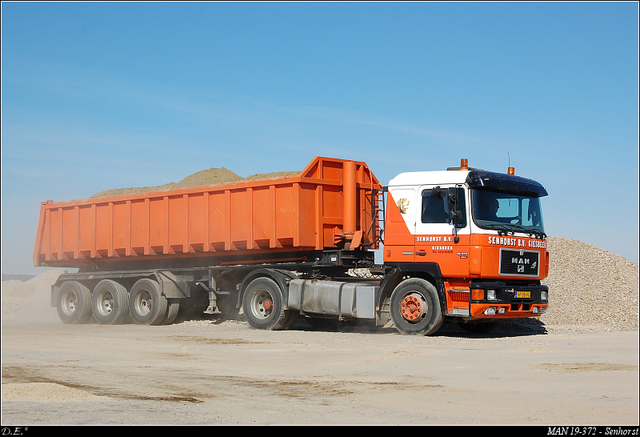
(491, 295)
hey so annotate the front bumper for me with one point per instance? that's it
(507, 301)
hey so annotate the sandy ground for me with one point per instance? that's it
(211, 372)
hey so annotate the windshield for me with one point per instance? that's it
(507, 212)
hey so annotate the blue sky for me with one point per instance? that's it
(111, 95)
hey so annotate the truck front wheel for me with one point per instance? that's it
(263, 305)
(415, 307)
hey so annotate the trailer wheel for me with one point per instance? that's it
(173, 306)
(110, 303)
(292, 318)
(147, 305)
(74, 303)
(415, 307)
(263, 307)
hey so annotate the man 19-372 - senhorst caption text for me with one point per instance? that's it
(593, 430)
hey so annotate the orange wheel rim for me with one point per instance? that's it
(412, 308)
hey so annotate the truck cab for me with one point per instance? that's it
(477, 236)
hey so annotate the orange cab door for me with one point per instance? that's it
(436, 238)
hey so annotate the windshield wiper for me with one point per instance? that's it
(513, 228)
(535, 232)
(500, 228)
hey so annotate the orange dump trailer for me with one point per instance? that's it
(329, 205)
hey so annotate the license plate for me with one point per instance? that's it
(523, 295)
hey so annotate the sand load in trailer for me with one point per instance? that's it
(329, 205)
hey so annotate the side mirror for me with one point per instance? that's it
(453, 200)
(455, 216)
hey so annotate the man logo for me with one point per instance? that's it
(519, 262)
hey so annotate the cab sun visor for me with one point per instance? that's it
(504, 182)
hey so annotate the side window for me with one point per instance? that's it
(437, 204)
(434, 206)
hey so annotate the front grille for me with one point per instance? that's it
(519, 262)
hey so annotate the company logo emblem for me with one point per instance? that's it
(403, 205)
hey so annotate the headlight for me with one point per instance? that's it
(491, 295)
(544, 295)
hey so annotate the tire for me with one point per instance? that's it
(263, 307)
(74, 303)
(147, 305)
(110, 303)
(415, 307)
(173, 306)
(292, 318)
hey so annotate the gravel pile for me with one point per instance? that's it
(590, 290)
(212, 176)
(590, 287)
(29, 301)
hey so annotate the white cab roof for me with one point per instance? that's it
(429, 178)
